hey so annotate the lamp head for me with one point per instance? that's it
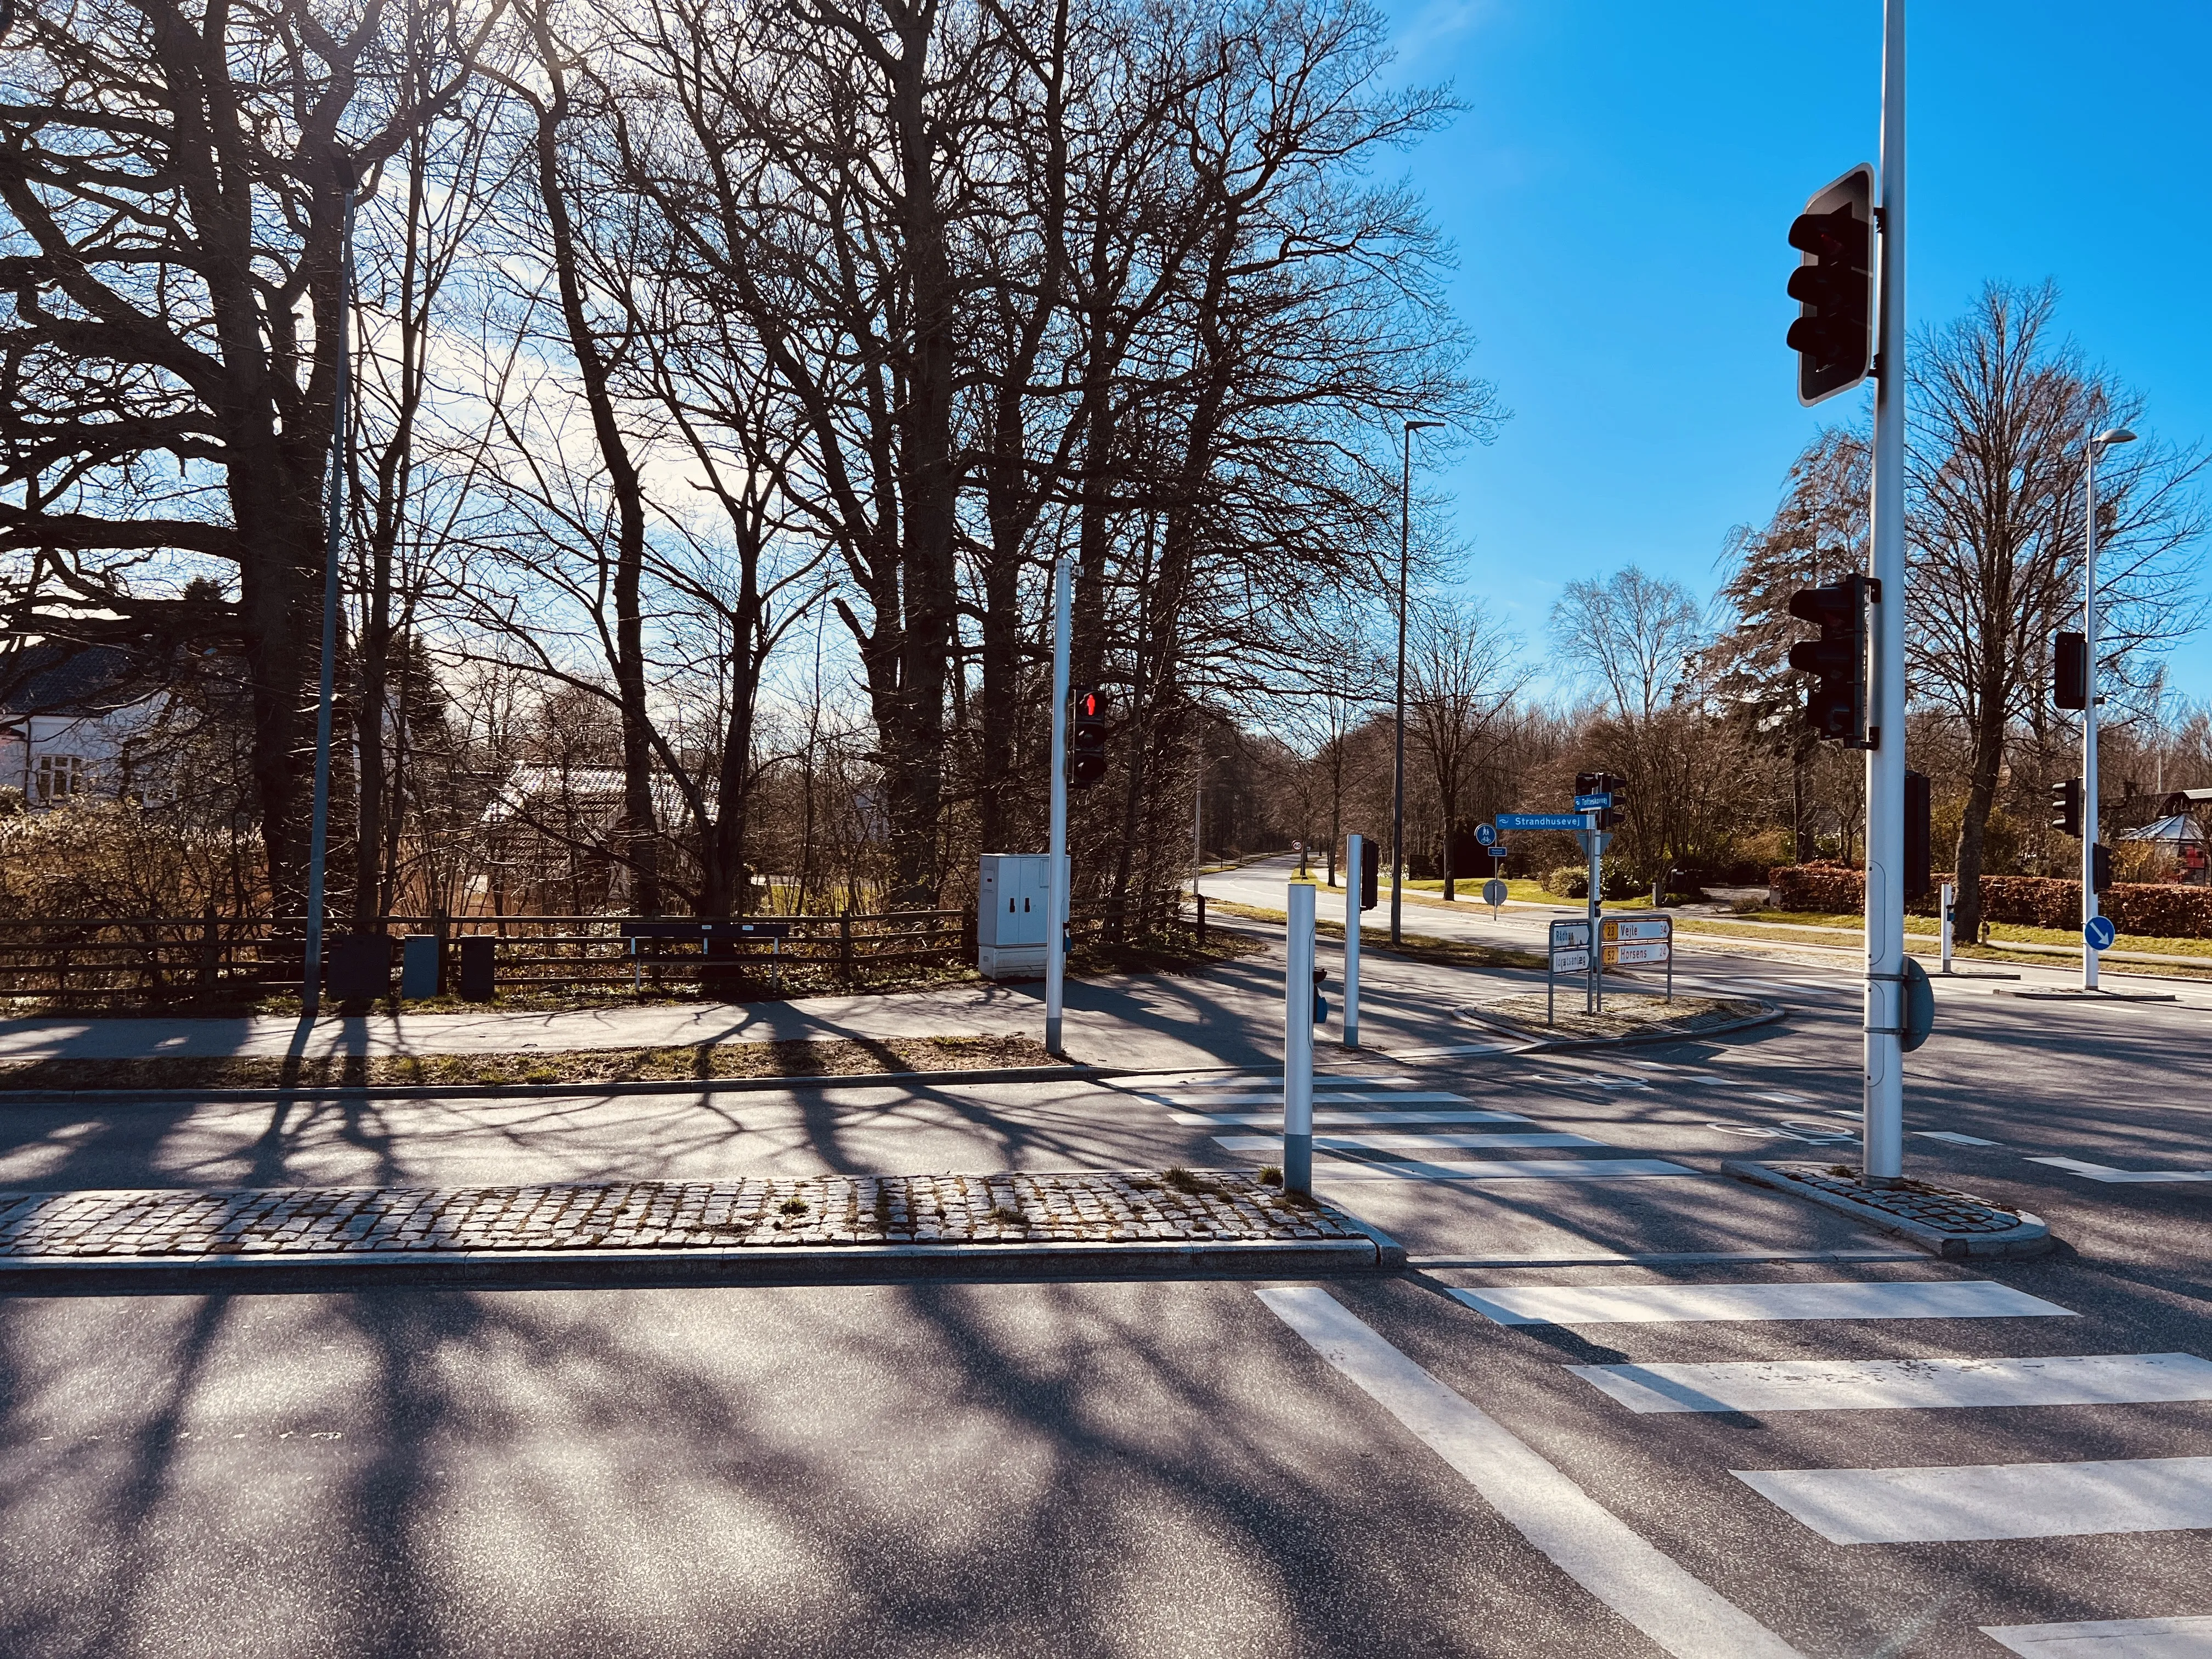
(1420, 426)
(2116, 435)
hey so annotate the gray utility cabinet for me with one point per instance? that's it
(1011, 900)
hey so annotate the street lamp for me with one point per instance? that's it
(2118, 435)
(1398, 775)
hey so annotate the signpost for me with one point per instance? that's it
(1568, 952)
(1632, 942)
(1493, 895)
(2098, 932)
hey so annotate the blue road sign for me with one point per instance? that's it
(1539, 820)
(2100, 932)
(1484, 835)
(1593, 803)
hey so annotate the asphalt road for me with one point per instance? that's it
(1369, 1467)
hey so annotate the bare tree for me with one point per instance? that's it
(1462, 674)
(1994, 528)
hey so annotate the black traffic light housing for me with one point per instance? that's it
(1370, 875)
(1919, 801)
(1086, 736)
(2069, 672)
(2066, 807)
(2100, 868)
(1833, 285)
(1836, 709)
(1602, 783)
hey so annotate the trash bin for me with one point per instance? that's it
(419, 966)
(357, 965)
(477, 959)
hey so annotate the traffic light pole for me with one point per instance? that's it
(1354, 880)
(1055, 931)
(2089, 825)
(1883, 1121)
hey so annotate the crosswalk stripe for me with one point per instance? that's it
(1618, 1304)
(1322, 1097)
(2103, 1172)
(1349, 1120)
(1553, 1168)
(1274, 1079)
(1992, 1500)
(1684, 1616)
(1804, 1385)
(1407, 1143)
(2108, 1638)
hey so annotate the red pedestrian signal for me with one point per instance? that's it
(1086, 736)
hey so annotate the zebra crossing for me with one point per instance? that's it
(1947, 1502)
(1380, 1128)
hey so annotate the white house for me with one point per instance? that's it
(69, 720)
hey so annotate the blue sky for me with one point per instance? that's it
(1619, 187)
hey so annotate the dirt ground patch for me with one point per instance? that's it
(798, 1057)
(1627, 1013)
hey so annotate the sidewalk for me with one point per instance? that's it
(1230, 1015)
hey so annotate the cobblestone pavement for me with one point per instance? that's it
(1933, 1207)
(1136, 1208)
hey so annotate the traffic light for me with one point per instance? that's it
(1919, 800)
(2100, 868)
(2066, 807)
(2069, 675)
(1836, 707)
(1609, 785)
(1371, 874)
(1602, 783)
(1086, 736)
(1833, 285)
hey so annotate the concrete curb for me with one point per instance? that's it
(742, 1265)
(1531, 1045)
(2032, 1237)
(548, 1090)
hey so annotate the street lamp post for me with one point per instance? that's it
(2119, 434)
(310, 983)
(1398, 772)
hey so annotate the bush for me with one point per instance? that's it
(2152, 910)
(1828, 888)
(1572, 880)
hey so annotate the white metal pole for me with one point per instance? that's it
(1883, 1110)
(1593, 981)
(1298, 1043)
(318, 833)
(1353, 883)
(2089, 719)
(1398, 741)
(1056, 901)
(1950, 892)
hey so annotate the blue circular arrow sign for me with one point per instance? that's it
(2100, 932)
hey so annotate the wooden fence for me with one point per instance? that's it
(210, 958)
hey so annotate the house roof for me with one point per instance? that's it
(50, 678)
(2177, 828)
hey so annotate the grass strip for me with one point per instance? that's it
(1414, 947)
(701, 1062)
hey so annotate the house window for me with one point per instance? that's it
(57, 778)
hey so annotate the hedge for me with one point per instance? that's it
(2151, 909)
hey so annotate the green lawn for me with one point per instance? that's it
(2000, 931)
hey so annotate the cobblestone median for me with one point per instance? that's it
(1137, 1207)
(1932, 1206)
